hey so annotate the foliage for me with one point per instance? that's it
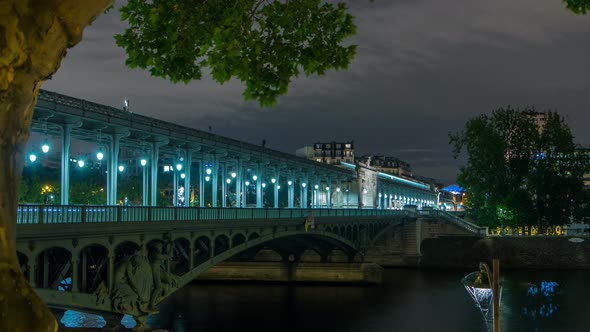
(263, 43)
(578, 6)
(523, 163)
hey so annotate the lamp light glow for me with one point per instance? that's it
(233, 175)
(303, 184)
(247, 183)
(254, 178)
(278, 187)
(99, 154)
(178, 166)
(264, 185)
(45, 146)
(182, 175)
(121, 168)
(143, 162)
(32, 157)
(80, 163)
(289, 182)
(207, 178)
(273, 180)
(338, 189)
(208, 171)
(327, 188)
(228, 181)
(316, 186)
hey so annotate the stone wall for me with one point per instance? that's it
(514, 252)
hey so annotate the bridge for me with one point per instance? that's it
(101, 259)
(117, 259)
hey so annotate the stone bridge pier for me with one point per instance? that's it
(400, 245)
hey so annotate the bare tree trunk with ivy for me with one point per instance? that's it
(34, 37)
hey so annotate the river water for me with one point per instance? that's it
(408, 300)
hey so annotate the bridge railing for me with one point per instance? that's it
(452, 218)
(69, 214)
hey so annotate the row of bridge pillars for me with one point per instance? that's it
(211, 169)
(326, 190)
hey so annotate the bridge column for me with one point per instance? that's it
(316, 194)
(201, 184)
(187, 177)
(191, 257)
(155, 156)
(32, 276)
(276, 181)
(328, 196)
(214, 180)
(111, 271)
(290, 190)
(75, 267)
(65, 163)
(242, 178)
(238, 179)
(113, 170)
(303, 193)
(223, 185)
(259, 203)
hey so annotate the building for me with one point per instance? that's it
(332, 153)
(387, 164)
(305, 152)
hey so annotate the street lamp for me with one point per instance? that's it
(143, 162)
(247, 183)
(32, 157)
(278, 187)
(182, 175)
(99, 154)
(45, 146)
(207, 178)
(264, 185)
(303, 184)
(254, 178)
(273, 180)
(208, 171)
(316, 186)
(228, 181)
(80, 163)
(289, 182)
(121, 168)
(178, 166)
(233, 175)
(484, 288)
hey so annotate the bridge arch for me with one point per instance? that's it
(92, 265)
(54, 268)
(221, 244)
(124, 249)
(238, 239)
(202, 249)
(181, 251)
(343, 244)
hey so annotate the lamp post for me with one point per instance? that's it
(484, 288)
(144, 188)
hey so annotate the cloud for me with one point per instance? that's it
(422, 69)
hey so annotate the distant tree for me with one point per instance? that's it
(522, 168)
(263, 43)
(578, 6)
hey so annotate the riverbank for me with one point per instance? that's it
(538, 252)
(357, 273)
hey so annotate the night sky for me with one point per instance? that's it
(422, 69)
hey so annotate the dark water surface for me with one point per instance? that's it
(408, 300)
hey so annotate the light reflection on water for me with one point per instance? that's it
(73, 318)
(408, 300)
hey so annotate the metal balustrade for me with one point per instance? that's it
(68, 214)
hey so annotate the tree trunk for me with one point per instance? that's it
(34, 37)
